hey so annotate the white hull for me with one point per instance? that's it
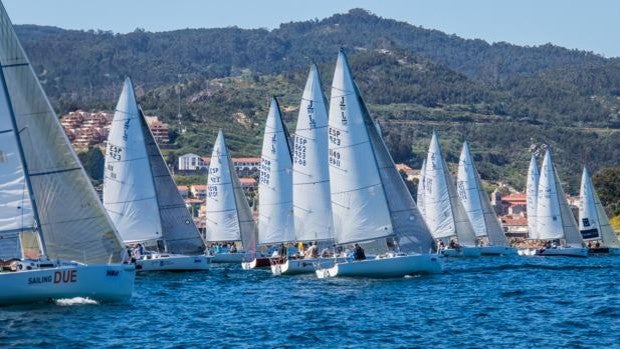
(462, 251)
(236, 257)
(173, 262)
(303, 266)
(563, 251)
(498, 250)
(388, 267)
(102, 282)
(260, 262)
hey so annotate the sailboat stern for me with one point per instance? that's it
(105, 282)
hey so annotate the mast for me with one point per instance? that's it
(22, 158)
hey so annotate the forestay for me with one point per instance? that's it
(476, 201)
(358, 201)
(178, 229)
(533, 177)
(70, 219)
(128, 187)
(311, 195)
(275, 189)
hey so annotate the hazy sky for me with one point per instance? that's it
(592, 25)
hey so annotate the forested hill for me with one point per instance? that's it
(74, 60)
(502, 98)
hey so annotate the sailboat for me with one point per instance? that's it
(554, 219)
(370, 202)
(275, 188)
(443, 211)
(229, 217)
(478, 207)
(311, 195)
(47, 199)
(593, 222)
(142, 198)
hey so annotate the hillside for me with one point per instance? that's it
(500, 97)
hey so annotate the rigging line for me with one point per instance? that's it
(311, 183)
(112, 162)
(356, 189)
(15, 65)
(124, 202)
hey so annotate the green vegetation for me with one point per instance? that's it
(501, 98)
(607, 184)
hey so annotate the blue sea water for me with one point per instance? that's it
(494, 302)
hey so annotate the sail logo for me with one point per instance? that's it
(311, 120)
(274, 141)
(126, 129)
(343, 109)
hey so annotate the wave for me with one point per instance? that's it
(526, 266)
(75, 301)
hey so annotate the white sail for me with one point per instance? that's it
(70, 220)
(16, 213)
(476, 202)
(178, 229)
(275, 189)
(247, 226)
(358, 201)
(554, 217)
(222, 218)
(531, 193)
(421, 188)
(593, 221)
(444, 213)
(409, 228)
(128, 188)
(311, 195)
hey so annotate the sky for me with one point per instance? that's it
(591, 25)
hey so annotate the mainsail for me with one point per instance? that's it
(358, 200)
(179, 231)
(593, 221)
(128, 187)
(531, 193)
(311, 200)
(71, 221)
(275, 189)
(229, 217)
(476, 201)
(443, 210)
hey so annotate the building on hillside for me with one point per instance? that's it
(190, 162)
(515, 225)
(248, 184)
(183, 190)
(159, 129)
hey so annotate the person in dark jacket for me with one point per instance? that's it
(358, 253)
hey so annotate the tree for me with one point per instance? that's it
(93, 162)
(607, 184)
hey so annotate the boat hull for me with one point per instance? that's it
(236, 257)
(611, 251)
(303, 266)
(498, 251)
(563, 251)
(173, 262)
(256, 263)
(104, 282)
(388, 267)
(463, 251)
